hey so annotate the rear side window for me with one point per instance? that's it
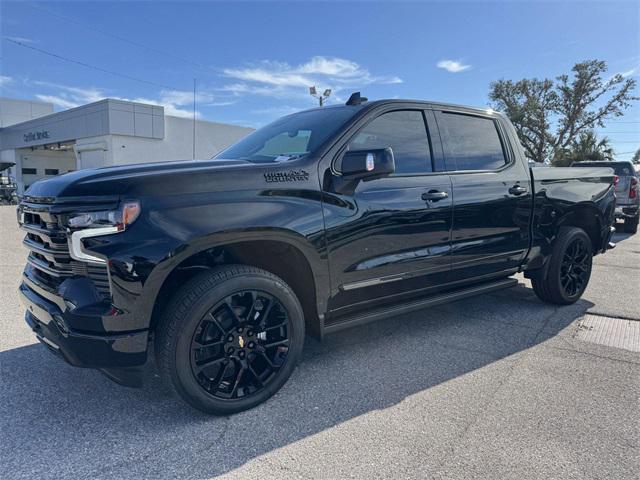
(405, 132)
(470, 142)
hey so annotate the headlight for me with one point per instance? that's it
(120, 218)
(96, 224)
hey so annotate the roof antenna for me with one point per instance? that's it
(356, 99)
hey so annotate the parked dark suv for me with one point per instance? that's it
(322, 220)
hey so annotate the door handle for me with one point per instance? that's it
(517, 190)
(434, 196)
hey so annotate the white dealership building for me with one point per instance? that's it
(44, 143)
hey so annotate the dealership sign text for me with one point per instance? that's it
(33, 136)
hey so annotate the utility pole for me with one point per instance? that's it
(194, 119)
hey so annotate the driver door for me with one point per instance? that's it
(390, 237)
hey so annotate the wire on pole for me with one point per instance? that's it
(194, 119)
(87, 65)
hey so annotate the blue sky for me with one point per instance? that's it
(254, 61)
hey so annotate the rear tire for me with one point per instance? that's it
(230, 338)
(631, 224)
(567, 275)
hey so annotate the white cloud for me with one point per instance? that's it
(221, 104)
(453, 66)
(177, 103)
(21, 39)
(271, 74)
(632, 72)
(242, 88)
(282, 79)
(181, 97)
(278, 111)
(65, 96)
(339, 67)
(58, 101)
(172, 109)
(4, 80)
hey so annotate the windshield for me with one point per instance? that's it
(290, 137)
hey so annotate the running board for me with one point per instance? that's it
(362, 319)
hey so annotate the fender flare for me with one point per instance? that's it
(317, 264)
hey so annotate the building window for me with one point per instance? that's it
(51, 171)
(29, 171)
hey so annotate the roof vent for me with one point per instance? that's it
(356, 99)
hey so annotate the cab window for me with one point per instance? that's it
(405, 132)
(471, 142)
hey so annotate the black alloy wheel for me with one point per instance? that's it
(566, 276)
(240, 344)
(230, 338)
(575, 267)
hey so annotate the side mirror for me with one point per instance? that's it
(368, 164)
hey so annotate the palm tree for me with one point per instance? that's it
(585, 147)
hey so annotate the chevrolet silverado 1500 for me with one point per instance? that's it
(322, 220)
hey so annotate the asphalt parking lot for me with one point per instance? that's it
(498, 386)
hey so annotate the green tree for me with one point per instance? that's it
(549, 115)
(585, 147)
(636, 156)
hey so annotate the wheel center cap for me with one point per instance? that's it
(241, 341)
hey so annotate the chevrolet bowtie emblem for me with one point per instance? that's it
(241, 342)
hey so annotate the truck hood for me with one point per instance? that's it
(165, 178)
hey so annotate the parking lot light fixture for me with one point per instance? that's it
(321, 98)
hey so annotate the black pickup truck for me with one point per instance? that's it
(325, 219)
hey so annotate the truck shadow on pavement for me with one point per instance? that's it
(63, 422)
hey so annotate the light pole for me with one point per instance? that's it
(321, 98)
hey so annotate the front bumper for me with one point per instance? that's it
(108, 351)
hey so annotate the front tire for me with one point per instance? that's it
(567, 275)
(230, 338)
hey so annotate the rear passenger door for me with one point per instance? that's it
(491, 195)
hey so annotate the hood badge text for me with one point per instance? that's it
(290, 176)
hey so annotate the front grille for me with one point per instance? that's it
(46, 240)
